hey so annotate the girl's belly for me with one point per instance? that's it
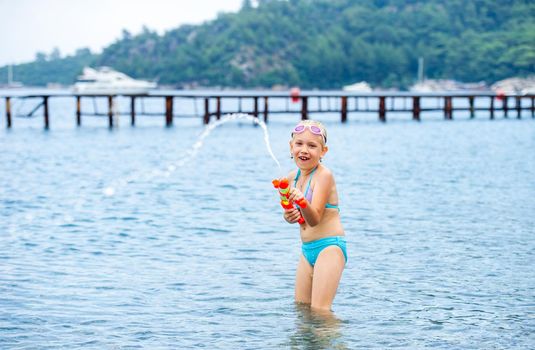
(329, 226)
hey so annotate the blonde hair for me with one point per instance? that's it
(309, 122)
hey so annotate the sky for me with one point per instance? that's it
(31, 26)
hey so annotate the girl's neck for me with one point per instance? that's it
(305, 173)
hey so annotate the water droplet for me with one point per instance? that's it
(109, 191)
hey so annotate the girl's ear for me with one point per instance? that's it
(325, 149)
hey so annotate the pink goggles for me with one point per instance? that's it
(299, 128)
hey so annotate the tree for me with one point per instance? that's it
(40, 56)
(323, 44)
(55, 54)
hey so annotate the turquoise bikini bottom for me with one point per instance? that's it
(312, 249)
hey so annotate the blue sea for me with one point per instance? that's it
(149, 237)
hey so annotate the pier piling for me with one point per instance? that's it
(206, 118)
(382, 108)
(168, 111)
(343, 109)
(448, 108)
(133, 110)
(471, 103)
(491, 108)
(110, 111)
(8, 112)
(218, 107)
(416, 108)
(304, 108)
(78, 111)
(45, 112)
(266, 109)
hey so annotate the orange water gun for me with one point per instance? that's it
(283, 185)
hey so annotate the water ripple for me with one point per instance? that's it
(439, 219)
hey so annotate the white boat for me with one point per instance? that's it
(106, 81)
(361, 86)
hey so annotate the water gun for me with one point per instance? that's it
(283, 185)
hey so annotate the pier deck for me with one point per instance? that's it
(262, 105)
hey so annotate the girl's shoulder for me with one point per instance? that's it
(325, 172)
(292, 174)
(324, 176)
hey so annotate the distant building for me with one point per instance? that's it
(515, 86)
(440, 85)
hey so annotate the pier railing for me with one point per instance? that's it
(305, 105)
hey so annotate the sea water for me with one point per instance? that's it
(439, 217)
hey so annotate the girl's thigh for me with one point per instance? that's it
(327, 273)
(303, 281)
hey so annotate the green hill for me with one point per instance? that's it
(322, 44)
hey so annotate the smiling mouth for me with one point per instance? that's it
(303, 158)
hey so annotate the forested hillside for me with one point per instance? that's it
(321, 44)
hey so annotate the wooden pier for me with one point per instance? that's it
(303, 104)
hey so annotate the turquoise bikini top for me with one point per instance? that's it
(308, 192)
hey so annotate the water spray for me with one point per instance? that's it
(192, 153)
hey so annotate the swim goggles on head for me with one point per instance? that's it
(316, 130)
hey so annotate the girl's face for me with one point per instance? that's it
(307, 149)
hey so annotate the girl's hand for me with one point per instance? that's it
(292, 215)
(295, 195)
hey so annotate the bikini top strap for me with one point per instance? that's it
(297, 176)
(310, 180)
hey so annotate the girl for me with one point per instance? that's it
(324, 246)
